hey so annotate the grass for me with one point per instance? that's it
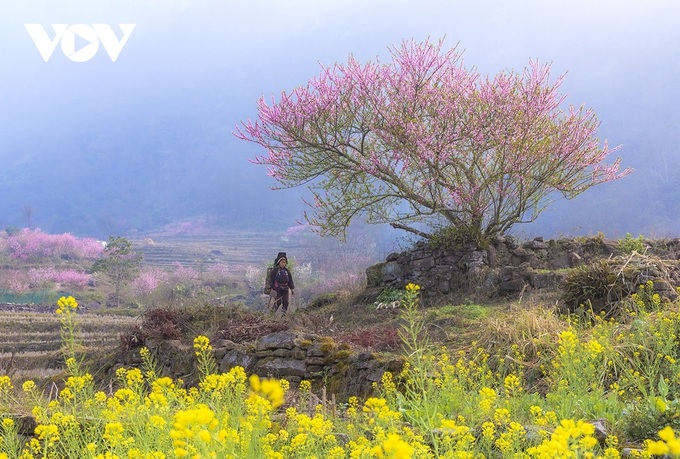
(353, 319)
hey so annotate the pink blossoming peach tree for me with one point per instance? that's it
(422, 143)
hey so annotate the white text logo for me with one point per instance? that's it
(88, 36)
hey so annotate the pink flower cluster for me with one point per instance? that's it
(20, 281)
(148, 281)
(41, 277)
(184, 273)
(14, 281)
(35, 245)
(72, 278)
(220, 270)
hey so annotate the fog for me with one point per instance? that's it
(108, 147)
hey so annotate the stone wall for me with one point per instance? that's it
(507, 266)
(292, 356)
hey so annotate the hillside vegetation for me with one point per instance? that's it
(486, 375)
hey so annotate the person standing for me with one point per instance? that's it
(282, 283)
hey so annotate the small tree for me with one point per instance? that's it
(423, 140)
(28, 215)
(119, 262)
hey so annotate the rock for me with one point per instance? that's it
(280, 368)
(444, 272)
(374, 276)
(601, 429)
(536, 244)
(390, 271)
(283, 339)
(392, 257)
(315, 361)
(236, 358)
(575, 260)
(423, 263)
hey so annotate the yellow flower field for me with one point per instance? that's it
(470, 405)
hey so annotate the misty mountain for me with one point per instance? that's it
(142, 169)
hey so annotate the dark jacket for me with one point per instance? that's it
(272, 279)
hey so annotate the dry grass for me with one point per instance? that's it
(525, 328)
(495, 326)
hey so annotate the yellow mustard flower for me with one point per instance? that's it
(269, 389)
(411, 287)
(66, 305)
(202, 344)
(28, 386)
(396, 448)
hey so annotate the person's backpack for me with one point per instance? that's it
(268, 281)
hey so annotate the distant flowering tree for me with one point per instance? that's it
(421, 142)
(184, 274)
(41, 277)
(220, 270)
(148, 281)
(14, 281)
(35, 245)
(72, 277)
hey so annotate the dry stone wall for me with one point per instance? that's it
(506, 266)
(292, 356)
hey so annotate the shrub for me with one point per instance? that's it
(630, 244)
(389, 295)
(602, 285)
(599, 286)
(246, 326)
(452, 237)
(161, 323)
(645, 419)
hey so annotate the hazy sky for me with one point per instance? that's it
(205, 63)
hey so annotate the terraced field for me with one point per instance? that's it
(237, 249)
(30, 341)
